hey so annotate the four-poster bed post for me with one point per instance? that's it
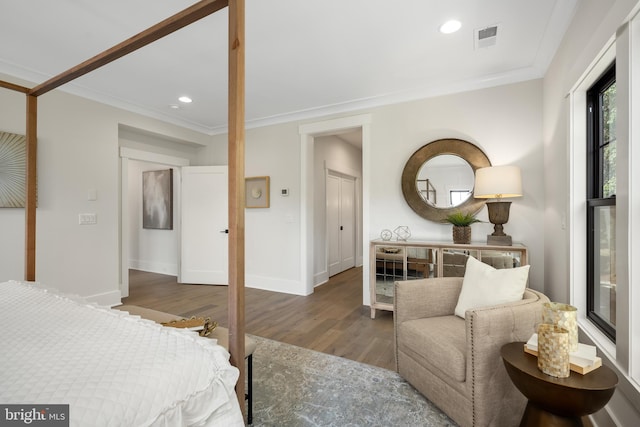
(236, 188)
(31, 179)
(236, 150)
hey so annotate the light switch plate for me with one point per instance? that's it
(87, 219)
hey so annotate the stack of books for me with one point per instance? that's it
(582, 361)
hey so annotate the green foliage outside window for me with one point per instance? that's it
(609, 137)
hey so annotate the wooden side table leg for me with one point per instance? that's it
(536, 417)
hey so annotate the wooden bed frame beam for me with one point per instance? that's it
(15, 87)
(236, 189)
(181, 19)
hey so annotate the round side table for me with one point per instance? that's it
(556, 402)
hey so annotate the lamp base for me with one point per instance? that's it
(499, 240)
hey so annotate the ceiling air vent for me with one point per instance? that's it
(485, 37)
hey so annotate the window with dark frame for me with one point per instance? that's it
(601, 203)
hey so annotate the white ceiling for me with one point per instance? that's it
(304, 58)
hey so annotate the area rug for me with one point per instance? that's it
(294, 386)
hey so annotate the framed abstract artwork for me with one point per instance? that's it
(257, 192)
(157, 199)
(13, 151)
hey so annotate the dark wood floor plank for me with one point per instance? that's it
(332, 320)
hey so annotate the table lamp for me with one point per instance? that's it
(498, 182)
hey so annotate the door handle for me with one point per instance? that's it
(341, 228)
(225, 231)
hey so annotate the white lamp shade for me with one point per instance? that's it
(498, 182)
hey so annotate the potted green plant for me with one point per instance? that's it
(461, 222)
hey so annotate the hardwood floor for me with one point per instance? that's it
(331, 320)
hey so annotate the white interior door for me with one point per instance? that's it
(341, 223)
(333, 224)
(347, 223)
(204, 250)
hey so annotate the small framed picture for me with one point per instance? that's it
(257, 192)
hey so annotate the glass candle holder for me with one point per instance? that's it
(553, 351)
(564, 316)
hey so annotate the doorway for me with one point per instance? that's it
(139, 145)
(129, 156)
(337, 203)
(310, 253)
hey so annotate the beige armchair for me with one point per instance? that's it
(456, 362)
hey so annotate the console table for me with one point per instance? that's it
(391, 261)
(556, 402)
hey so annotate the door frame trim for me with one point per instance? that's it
(308, 132)
(127, 154)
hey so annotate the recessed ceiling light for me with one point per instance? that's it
(185, 99)
(450, 27)
(174, 106)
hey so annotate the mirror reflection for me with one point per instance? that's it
(425, 188)
(445, 181)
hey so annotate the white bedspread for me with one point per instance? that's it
(111, 368)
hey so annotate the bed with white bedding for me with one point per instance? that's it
(110, 367)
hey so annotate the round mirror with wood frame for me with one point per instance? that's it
(473, 155)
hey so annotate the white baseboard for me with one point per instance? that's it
(275, 285)
(170, 269)
(320, 278)
(109, 299)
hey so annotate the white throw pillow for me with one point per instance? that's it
(484, 286)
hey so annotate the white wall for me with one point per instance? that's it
(12, 119)
(272, 253)
(335, 154)
(594, 25)
(77, 152)
(505, 122)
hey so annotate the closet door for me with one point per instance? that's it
(341, 223)
(204, 251)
